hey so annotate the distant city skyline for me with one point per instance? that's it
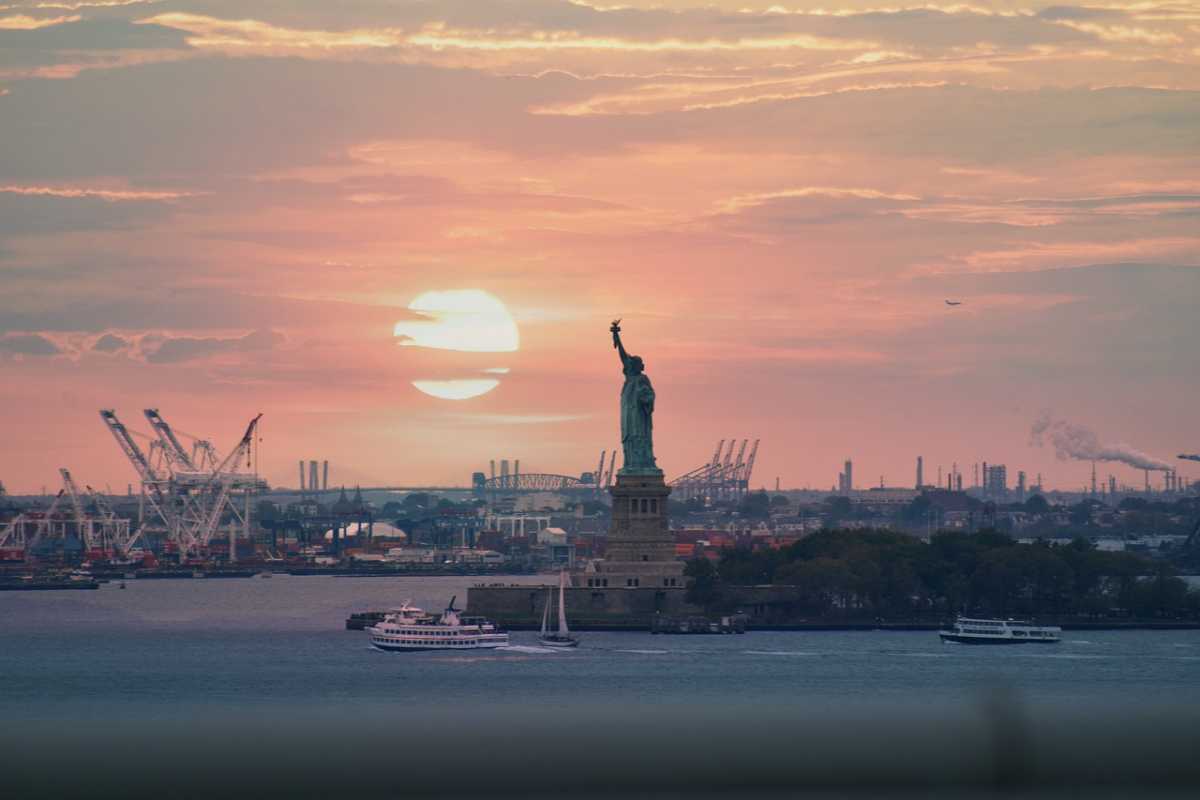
(223, 208)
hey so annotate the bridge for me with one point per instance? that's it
(531, 482)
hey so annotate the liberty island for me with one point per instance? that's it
(639, 575)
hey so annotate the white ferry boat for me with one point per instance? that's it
(410, 628)
(1000, 631)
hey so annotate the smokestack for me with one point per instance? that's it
(504, 472)
(516, 470)
(920, 472)
(314, 480)
(958, 482)
(493, 469)
(302, 475)
(1093, 479)
(1080, 443)
(325, 475)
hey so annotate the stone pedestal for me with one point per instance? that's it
(641, 549)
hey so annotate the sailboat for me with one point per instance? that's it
(563, 637)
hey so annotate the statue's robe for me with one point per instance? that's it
(637, 424)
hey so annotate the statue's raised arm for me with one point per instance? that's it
(616, 333)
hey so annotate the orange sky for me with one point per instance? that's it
(218, 208)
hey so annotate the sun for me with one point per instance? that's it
(462, 320)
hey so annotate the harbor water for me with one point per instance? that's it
(162, 650)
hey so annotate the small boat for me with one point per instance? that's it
(410, 628)
(563, 637)
(1000, 631)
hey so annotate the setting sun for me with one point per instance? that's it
(463, 320)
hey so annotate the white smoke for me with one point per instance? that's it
(1077, 442)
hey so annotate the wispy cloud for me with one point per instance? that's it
(519, 419)
(740, 202)
(111, 195)
(23, 22)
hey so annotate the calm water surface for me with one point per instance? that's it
(159, 649)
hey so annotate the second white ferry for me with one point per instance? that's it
(410, 628)
(999, 631)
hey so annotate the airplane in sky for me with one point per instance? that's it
(954, 302)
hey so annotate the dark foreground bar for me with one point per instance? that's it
(996, 748)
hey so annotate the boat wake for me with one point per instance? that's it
(645, 652)
(921, 654)
(521, 648)
(781, 653)
(1066, 656)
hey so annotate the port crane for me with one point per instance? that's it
(83, 523)
(716, 459)
(17, 533)
(725, 477)
(100, 532)
(189, 494)
(119, 536)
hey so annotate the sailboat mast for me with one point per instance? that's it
(562, 606)
(546, 612)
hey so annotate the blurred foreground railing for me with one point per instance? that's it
(995, 746)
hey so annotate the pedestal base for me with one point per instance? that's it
(641, 549)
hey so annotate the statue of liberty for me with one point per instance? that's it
(637, 410)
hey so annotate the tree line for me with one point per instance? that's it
(884, 574)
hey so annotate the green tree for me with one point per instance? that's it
(756, 505)
(703, 588)
(415, 502)
(837, 509)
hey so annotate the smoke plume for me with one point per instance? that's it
(1072, 441)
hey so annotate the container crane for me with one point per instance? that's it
(171, 447)
(83, 524)
(728, 455)
(120, 537)
(11, 535)
(45, 524)
(151, 480)
(187, 492)
(745, 478)
(716, 459)
(224, 477)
